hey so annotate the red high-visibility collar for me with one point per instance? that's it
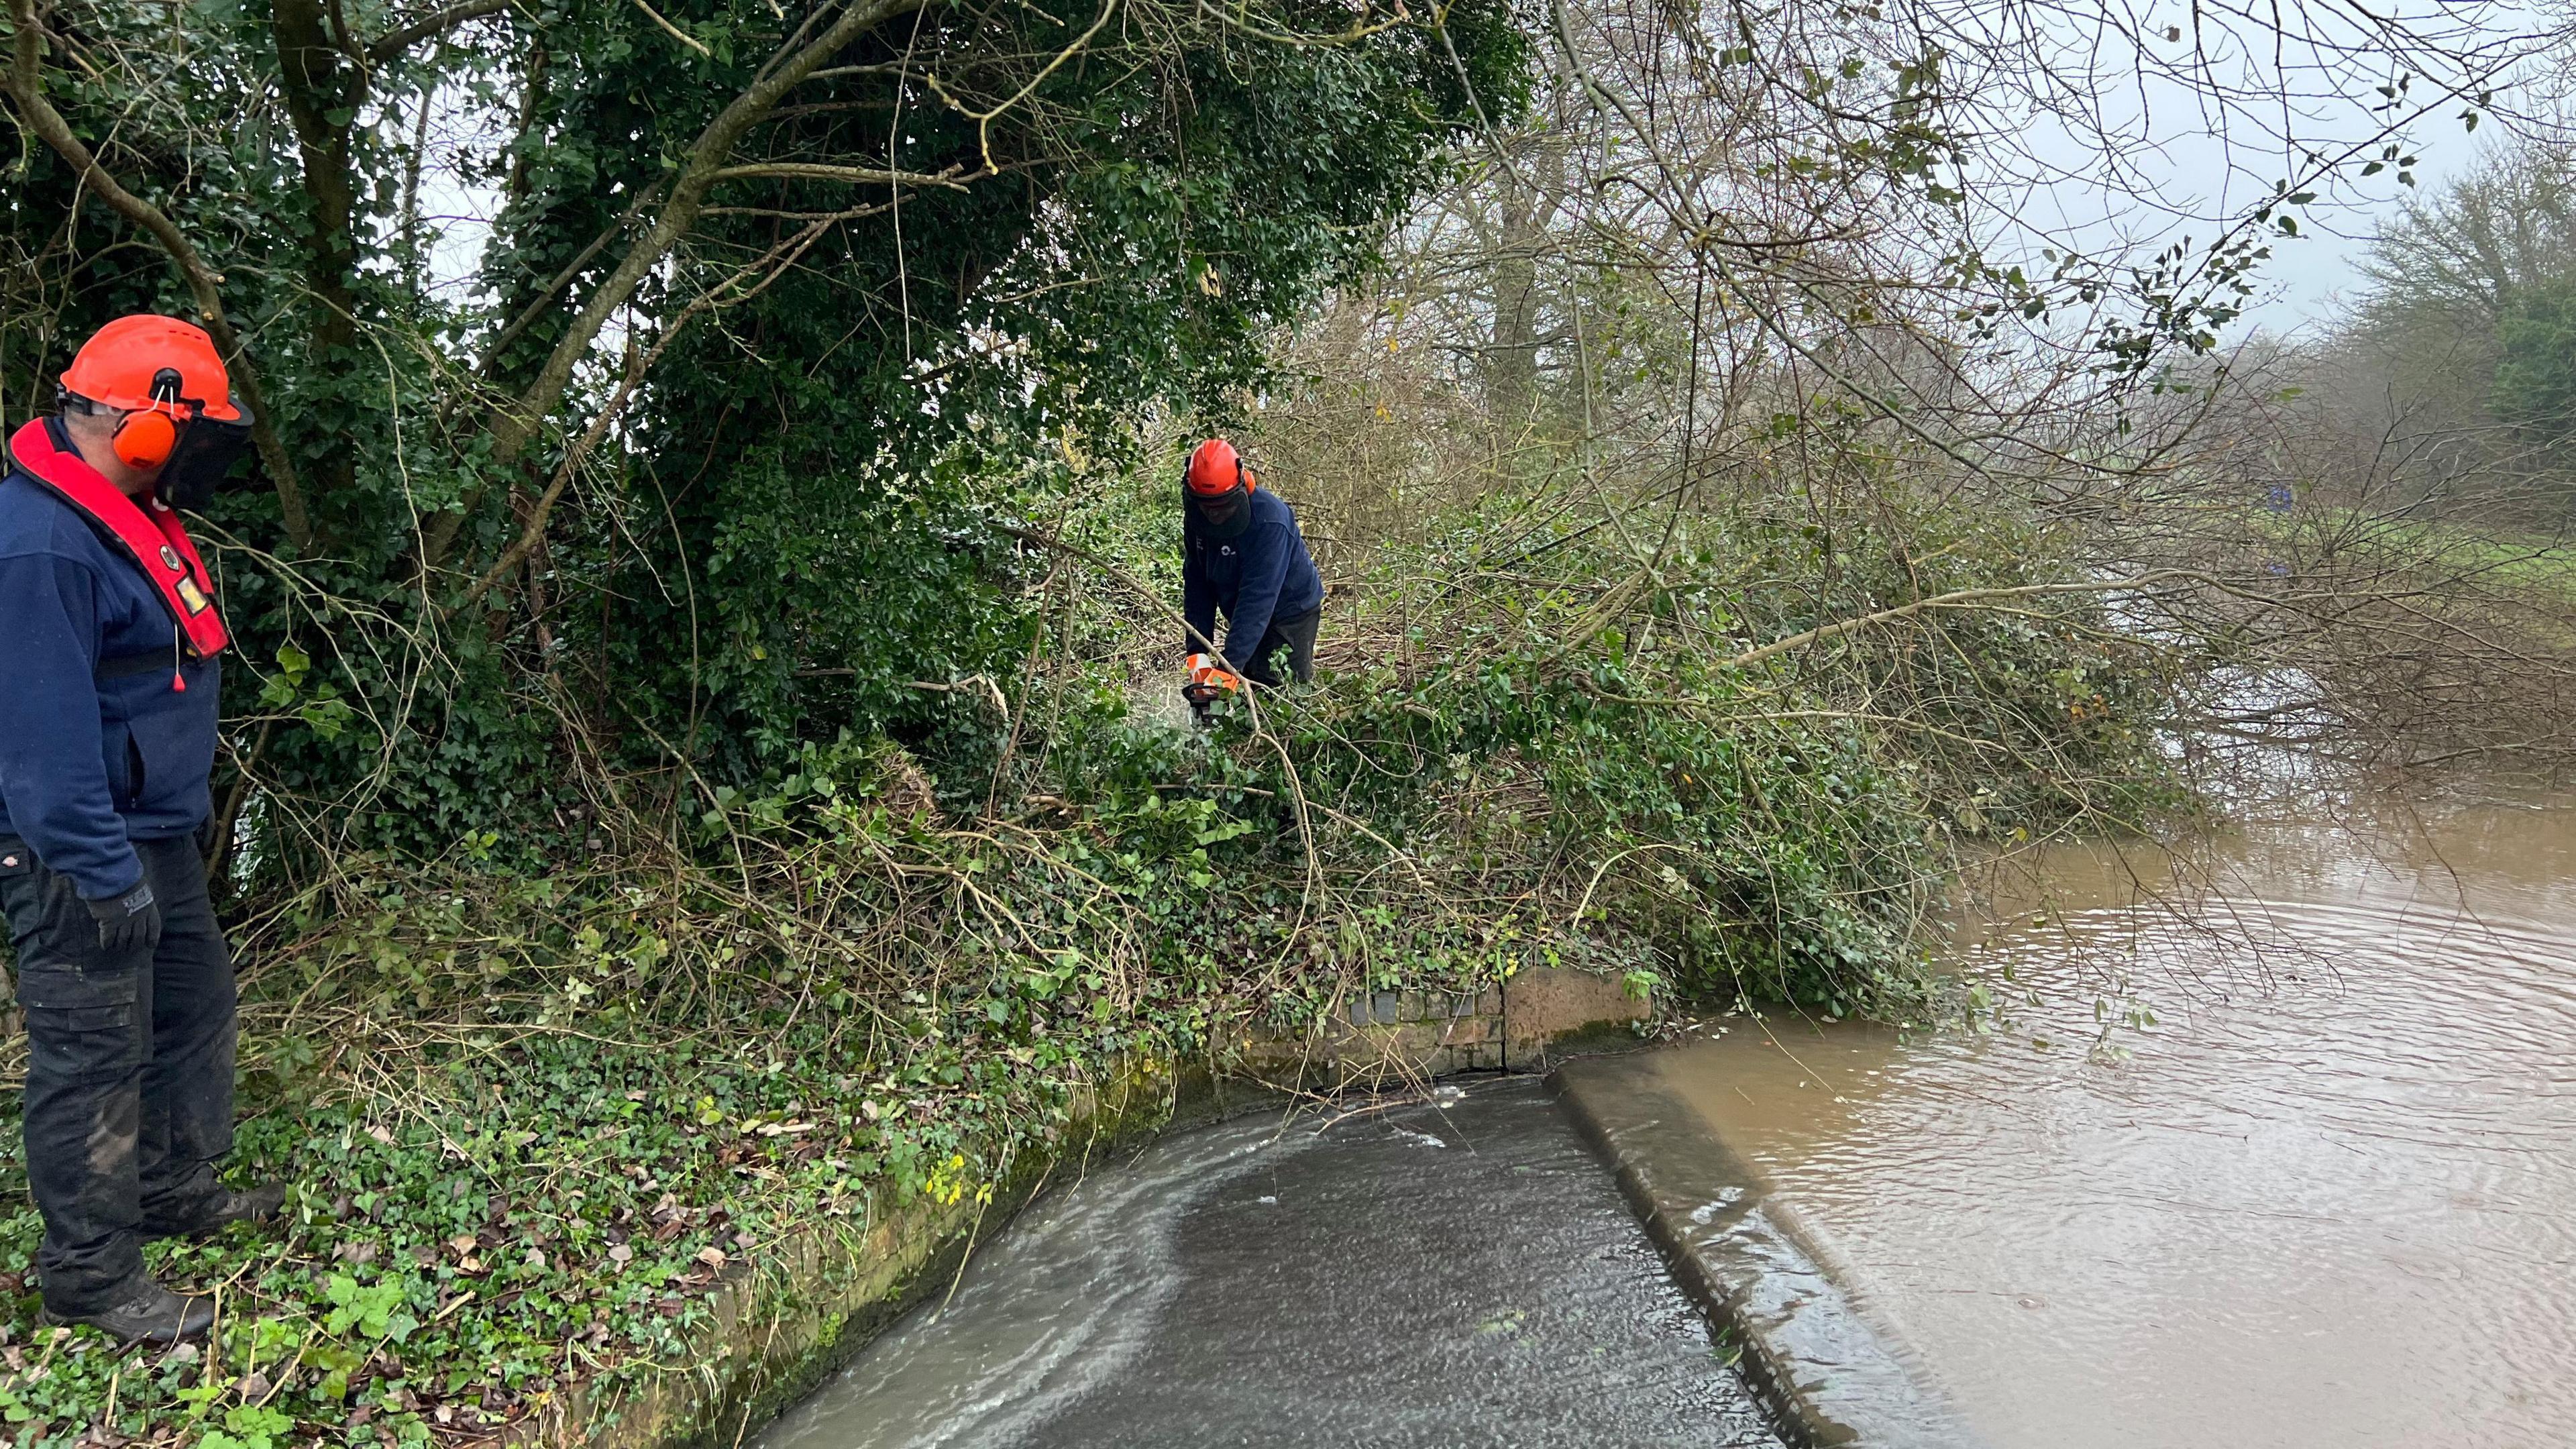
(148, 532)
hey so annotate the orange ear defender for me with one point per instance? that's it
(144, 440)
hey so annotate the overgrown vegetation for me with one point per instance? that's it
(513, 1178)
(702, 749)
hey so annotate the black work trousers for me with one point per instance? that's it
(129, 1070)
(1297, 637)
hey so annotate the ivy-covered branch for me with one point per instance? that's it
(512, 425)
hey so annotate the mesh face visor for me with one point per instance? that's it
(1225, 514)
(1221, 508)
(202, 459)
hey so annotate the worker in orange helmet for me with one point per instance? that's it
(109, 672)
(1243, 557)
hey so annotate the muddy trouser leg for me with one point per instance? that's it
(1297, 636)
(188, 1086)
(88, 1031)
(124, 1081)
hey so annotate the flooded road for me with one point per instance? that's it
(2278, 1149)
(1453, 1272)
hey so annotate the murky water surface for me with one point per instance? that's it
(2327, 1198)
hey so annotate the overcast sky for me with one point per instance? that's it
(2165, 126)
(2307, 274)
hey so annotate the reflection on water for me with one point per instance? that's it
(2325, 1199)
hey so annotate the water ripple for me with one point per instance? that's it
(2325, 1200)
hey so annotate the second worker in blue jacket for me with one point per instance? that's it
(1241, 556)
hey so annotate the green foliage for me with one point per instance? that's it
(249, 1426)
(790, 525)
(2453, 367)
(778, 839)
(374, 1311)
(601, 1191)
(2535, 373)
(1774, 833)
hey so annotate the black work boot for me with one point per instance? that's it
(259, 1205)
(149, 1313)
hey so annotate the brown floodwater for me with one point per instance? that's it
(2273, 1147)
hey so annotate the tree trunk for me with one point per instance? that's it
(322, 100)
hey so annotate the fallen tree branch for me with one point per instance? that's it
(1957, 599)
(1296, 785)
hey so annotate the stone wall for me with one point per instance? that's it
(1386, 1037)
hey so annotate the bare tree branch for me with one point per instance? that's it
(1957, 599)
(951, 179)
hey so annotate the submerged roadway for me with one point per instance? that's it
(1446, 1273)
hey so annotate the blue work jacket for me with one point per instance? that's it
(97, 750)
(1256, 578)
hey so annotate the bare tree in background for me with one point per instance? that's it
(1857, 268)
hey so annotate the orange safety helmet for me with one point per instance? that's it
(1215, 467)
(160, 372)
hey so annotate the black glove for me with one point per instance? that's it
(130, 922)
